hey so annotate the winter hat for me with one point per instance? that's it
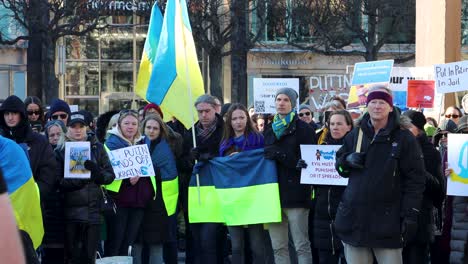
(77, 117)
(154, 106)
(304, 106)
(417, 118)
(59, 105)
(379, 94)
(289, 92)
(462, 123)
(447, 125)
(88, 117)
(13, 104)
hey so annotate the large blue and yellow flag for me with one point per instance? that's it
(149, 51)
(176, 79)
(22, 189)
(241, 189)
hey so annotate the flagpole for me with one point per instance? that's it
(189, 87)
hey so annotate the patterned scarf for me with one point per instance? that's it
(280, 124)
(205, 133)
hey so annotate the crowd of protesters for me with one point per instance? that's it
(393, 210)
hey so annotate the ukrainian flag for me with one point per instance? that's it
(22, 190)
(149, 52)
(241, 189)
(176, 73)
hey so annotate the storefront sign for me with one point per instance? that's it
(126, 6)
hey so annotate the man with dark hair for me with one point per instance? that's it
(379, 208)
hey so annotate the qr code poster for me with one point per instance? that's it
(76, 153)
(265, 90)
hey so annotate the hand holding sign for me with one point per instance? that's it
(132, 162)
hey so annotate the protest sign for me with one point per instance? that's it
(399, 81)
(420, 94)
(320, 169)
(451, 77)
(457, 183)
(131, 161)
(76, 153)
(366, 75)
(265, 91)
(324, 86)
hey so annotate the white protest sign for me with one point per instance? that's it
(320, 169)
(265, 90)
(76, 153)
(457, 183)
(131, 161)
(451, 77)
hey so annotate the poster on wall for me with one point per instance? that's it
(320, 169)
(399, 82)
(457, 182)
(265, 90)
(366, 75)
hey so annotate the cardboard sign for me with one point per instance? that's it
(420, 94)
(366, 75)
(76, 153)
(451, 77)
(265, 90)
(324, 86)
(131, 162)
(457, 182)
(320, 169)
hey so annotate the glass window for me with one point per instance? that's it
(82, 78)
(89, 104)
(464, 23)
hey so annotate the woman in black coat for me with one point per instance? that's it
(83, 197)
(327, 197)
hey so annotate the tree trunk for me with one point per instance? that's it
(239, 52)
(216, 75)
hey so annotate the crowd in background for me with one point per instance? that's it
(405, 216)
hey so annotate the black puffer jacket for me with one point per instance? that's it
(40, 153)
(83, 197)
(293, 194)
(386, 190)
(327, 198)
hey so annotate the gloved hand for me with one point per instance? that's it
(195, 153)
(356, 160)
(205, 157)
(273, 153)
(409, 228)
(96, 175)
(301, 164)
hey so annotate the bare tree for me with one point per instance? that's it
(349, 27)
(220, 27)
(44, 22)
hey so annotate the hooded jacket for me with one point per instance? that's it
(387, 190)
(40, 153)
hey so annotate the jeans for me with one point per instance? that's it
(81, 243)
(155, 254)
(257, 244)
(204, 239)
(122, 230)
(294, 220)
(362, 255)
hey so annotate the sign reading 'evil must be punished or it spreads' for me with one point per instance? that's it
(451, 77)
(131, 162)
(320, 169)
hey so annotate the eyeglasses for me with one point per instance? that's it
(34, 113)
(61, 116)
(306, 113)
(452, 116)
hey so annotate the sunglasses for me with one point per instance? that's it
(61, 116)
(306, 113)
(450, 116)
(128, 111)
(34, 113)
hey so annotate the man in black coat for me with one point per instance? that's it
(209, 131)
(379, 208)
(283, 138)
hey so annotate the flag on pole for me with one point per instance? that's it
(176, 79)
(149, 51)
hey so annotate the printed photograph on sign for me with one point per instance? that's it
(358, 94)
(457, 182)
(320, 169)
(76, 153)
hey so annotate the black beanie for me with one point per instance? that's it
(13, 104)
(417, 118)
(59, 105)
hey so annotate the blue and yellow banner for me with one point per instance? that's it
(244, 188)
(22, 190)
